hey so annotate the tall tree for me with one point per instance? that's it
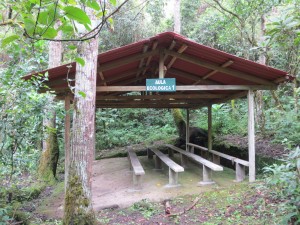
(50, 153)
(177, 17)
(78, 205)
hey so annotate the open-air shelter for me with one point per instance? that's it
(204, 76)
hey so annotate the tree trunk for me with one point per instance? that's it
(180, 123)
(177, 17)
(50, 154)
(259, 101)
(78, 204)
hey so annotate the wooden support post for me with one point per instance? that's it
(187, 130)
(158, 163)
(216, 159)
(206, 177)
(184, 161)
(171, 152)
(209, 121)
(67, 136)
(149, 153)
(251, 136)
(161, 65)
(137, 182)
(173, 178)
(239, 172)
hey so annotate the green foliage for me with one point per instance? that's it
(284, 181)
(146, 208)
(122, 127)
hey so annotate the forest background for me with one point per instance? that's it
(263, 31)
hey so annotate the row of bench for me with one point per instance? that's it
(174, 168)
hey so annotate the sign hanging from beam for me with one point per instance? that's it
(161, 85)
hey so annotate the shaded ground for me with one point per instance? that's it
(113, 186)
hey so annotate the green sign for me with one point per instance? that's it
(161, 85)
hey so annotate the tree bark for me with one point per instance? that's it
(50, 154)
(177, 17)
(78, 204)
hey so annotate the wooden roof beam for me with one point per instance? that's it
(126, 60)
(146, 105)
(228, 63)
(213, 66)
(190, 76)
(188, 88)
(162, 97)
(180, 50)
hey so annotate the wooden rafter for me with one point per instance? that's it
(145, 48)
(213, 66)
(126, 60)
(154, 46)
(180, 51)
(190, 76)
(102, 78)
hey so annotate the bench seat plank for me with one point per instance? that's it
(136, 165)
(197, 158)
(169, 162)
(223, 155)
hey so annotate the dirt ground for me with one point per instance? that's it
(112, 185)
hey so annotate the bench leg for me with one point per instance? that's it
(184, 161)
(192, 150)
(173, 177)
(203, 154)
(171, 152)
(158, 163)
(130, 165)
(137, 182)
(149, 153)
(216, 159)
(206, 177)
(239, 172)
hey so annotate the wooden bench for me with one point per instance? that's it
(137, 169)
(239, 163)
(207, 165)
(174, 168)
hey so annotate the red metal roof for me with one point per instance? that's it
(128, 66)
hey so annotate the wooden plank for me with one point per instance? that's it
(136, 165)
(154, 46)
(121, 75)
(225, 156)
(188, 88)
(230, 97)
(153, 106)
(169, 162)
(228, 63)
(187, 128)
(161, 72)
(190, 76)
(197, 158)
(162, 97)
(209, 123)
(102, 78)
(126, 60)
(213, 66)
(180, 50)
(251, 136)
